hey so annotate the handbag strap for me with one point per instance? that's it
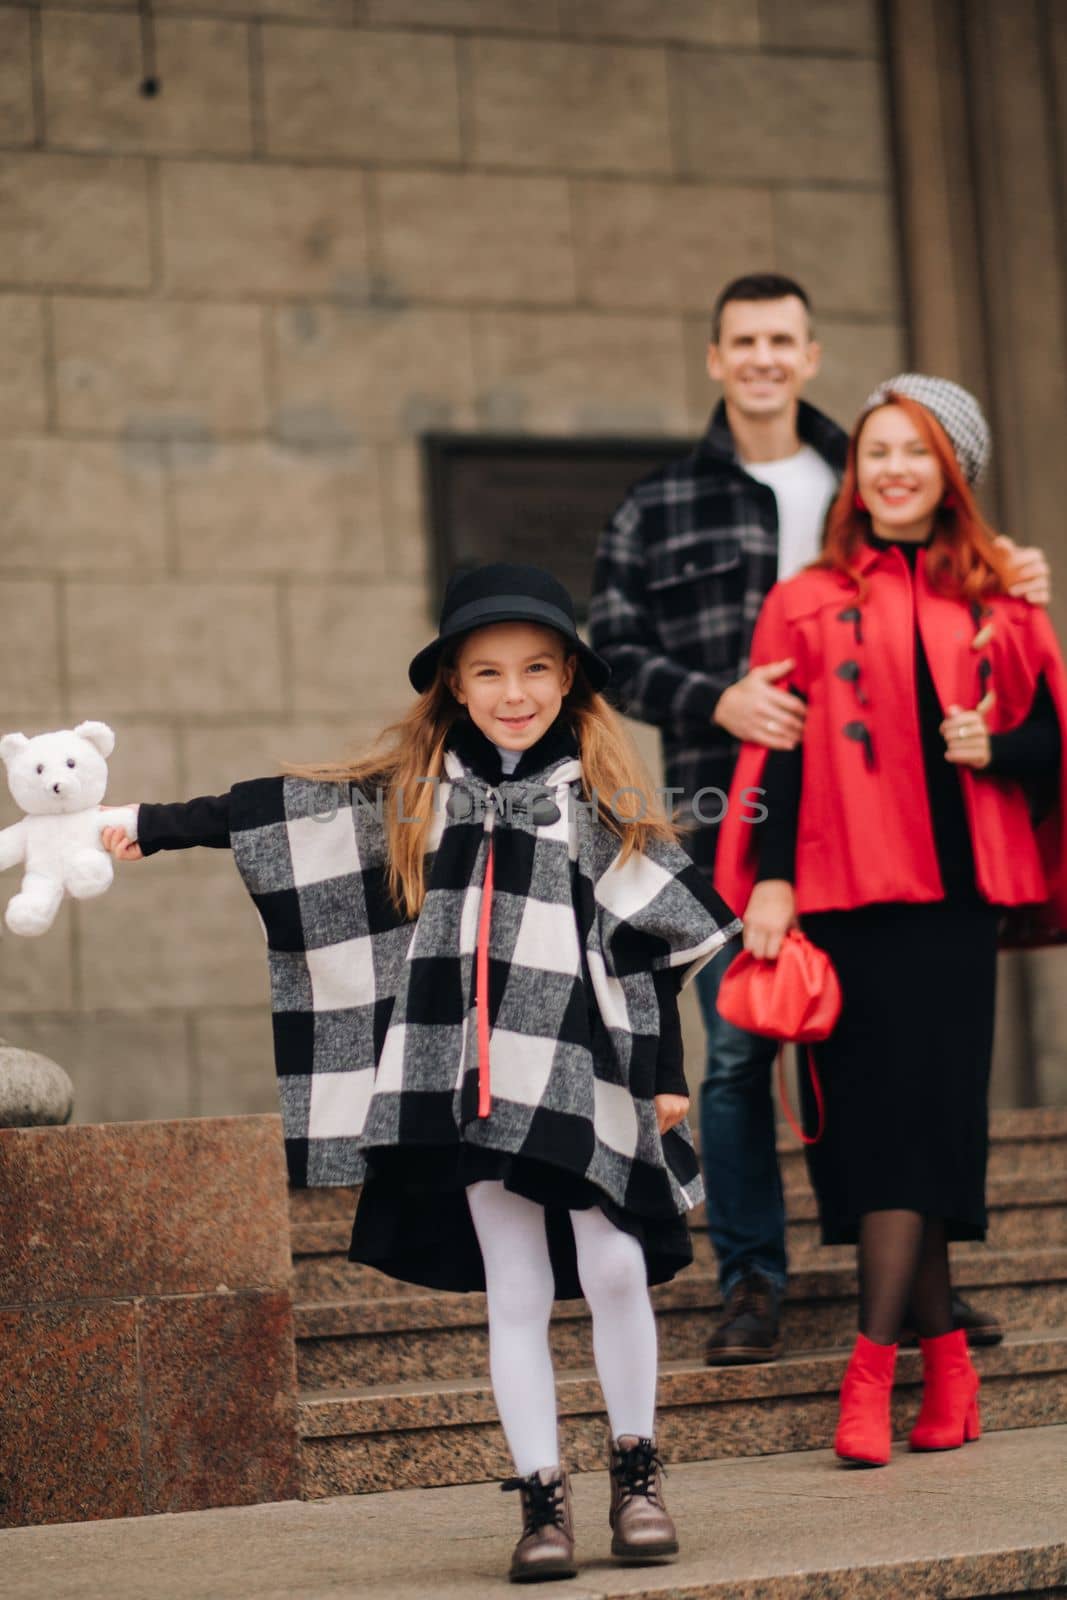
(805, 1138)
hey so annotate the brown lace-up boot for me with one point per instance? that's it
(749, 1330)
(642, 1529)
(546, 1547)
(981, 1327)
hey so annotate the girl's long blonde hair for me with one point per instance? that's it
(414, 748)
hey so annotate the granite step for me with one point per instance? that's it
(966, 1525)
(348, 1344)
(422, 1435)
(1030, 1139)
(1021, 1141)
(1025, 1212)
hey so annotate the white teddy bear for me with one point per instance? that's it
(59, 780)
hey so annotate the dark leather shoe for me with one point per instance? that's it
(546, 1545)
(641, 1526)
(749, 1329)
(981, 1327)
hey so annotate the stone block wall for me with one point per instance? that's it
(228, 312)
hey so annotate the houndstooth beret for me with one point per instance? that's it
(954, 407)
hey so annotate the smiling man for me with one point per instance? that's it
(682, 571)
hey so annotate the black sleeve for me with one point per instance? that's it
(782, 775)
(205, 821)
(670, 1063)
(1032, 750)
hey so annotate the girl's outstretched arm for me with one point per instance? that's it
(114, 840)
(204, 821)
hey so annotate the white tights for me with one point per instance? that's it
(520, 1290)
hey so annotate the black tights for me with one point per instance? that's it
(903, 1263)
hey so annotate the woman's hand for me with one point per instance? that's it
(671, 1109)
(771, 912)
(116, 843)
(1031, 577)
(966, 738)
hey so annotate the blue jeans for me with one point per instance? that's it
(746, 1210)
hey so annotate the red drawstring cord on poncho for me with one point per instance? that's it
(481, 984)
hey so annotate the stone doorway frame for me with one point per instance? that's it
(978, 96)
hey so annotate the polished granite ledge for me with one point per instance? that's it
(144, 1208)
(146, 1324)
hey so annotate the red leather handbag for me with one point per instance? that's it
(795, 997)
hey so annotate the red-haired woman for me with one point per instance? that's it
(928, 795)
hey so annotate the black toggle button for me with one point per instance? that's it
(854, 615)
(860, 732)
(849, 672)
(461, 805)
(544, 811)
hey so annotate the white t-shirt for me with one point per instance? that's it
(509, 759)
(804, 487)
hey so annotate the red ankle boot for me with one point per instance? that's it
(863, 1426)
(949, 1413)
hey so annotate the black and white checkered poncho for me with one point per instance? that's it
(374, 1024)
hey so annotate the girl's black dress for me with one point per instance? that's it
(905, 1073)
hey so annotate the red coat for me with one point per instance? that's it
(864, 832)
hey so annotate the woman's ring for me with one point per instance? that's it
(772, 726)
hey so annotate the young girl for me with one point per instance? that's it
(476, 936)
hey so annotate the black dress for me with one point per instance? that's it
(905, 1073)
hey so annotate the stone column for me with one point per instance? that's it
(979, 93)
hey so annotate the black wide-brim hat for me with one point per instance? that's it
(505, 592)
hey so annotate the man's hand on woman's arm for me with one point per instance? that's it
(753, 709)
(1031, 574)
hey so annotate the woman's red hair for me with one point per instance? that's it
(963, 559)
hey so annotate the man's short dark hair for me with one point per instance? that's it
(756, 286)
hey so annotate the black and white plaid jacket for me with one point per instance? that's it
(682, 570)
(374, 1024)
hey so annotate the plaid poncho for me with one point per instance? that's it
(374, 1026)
